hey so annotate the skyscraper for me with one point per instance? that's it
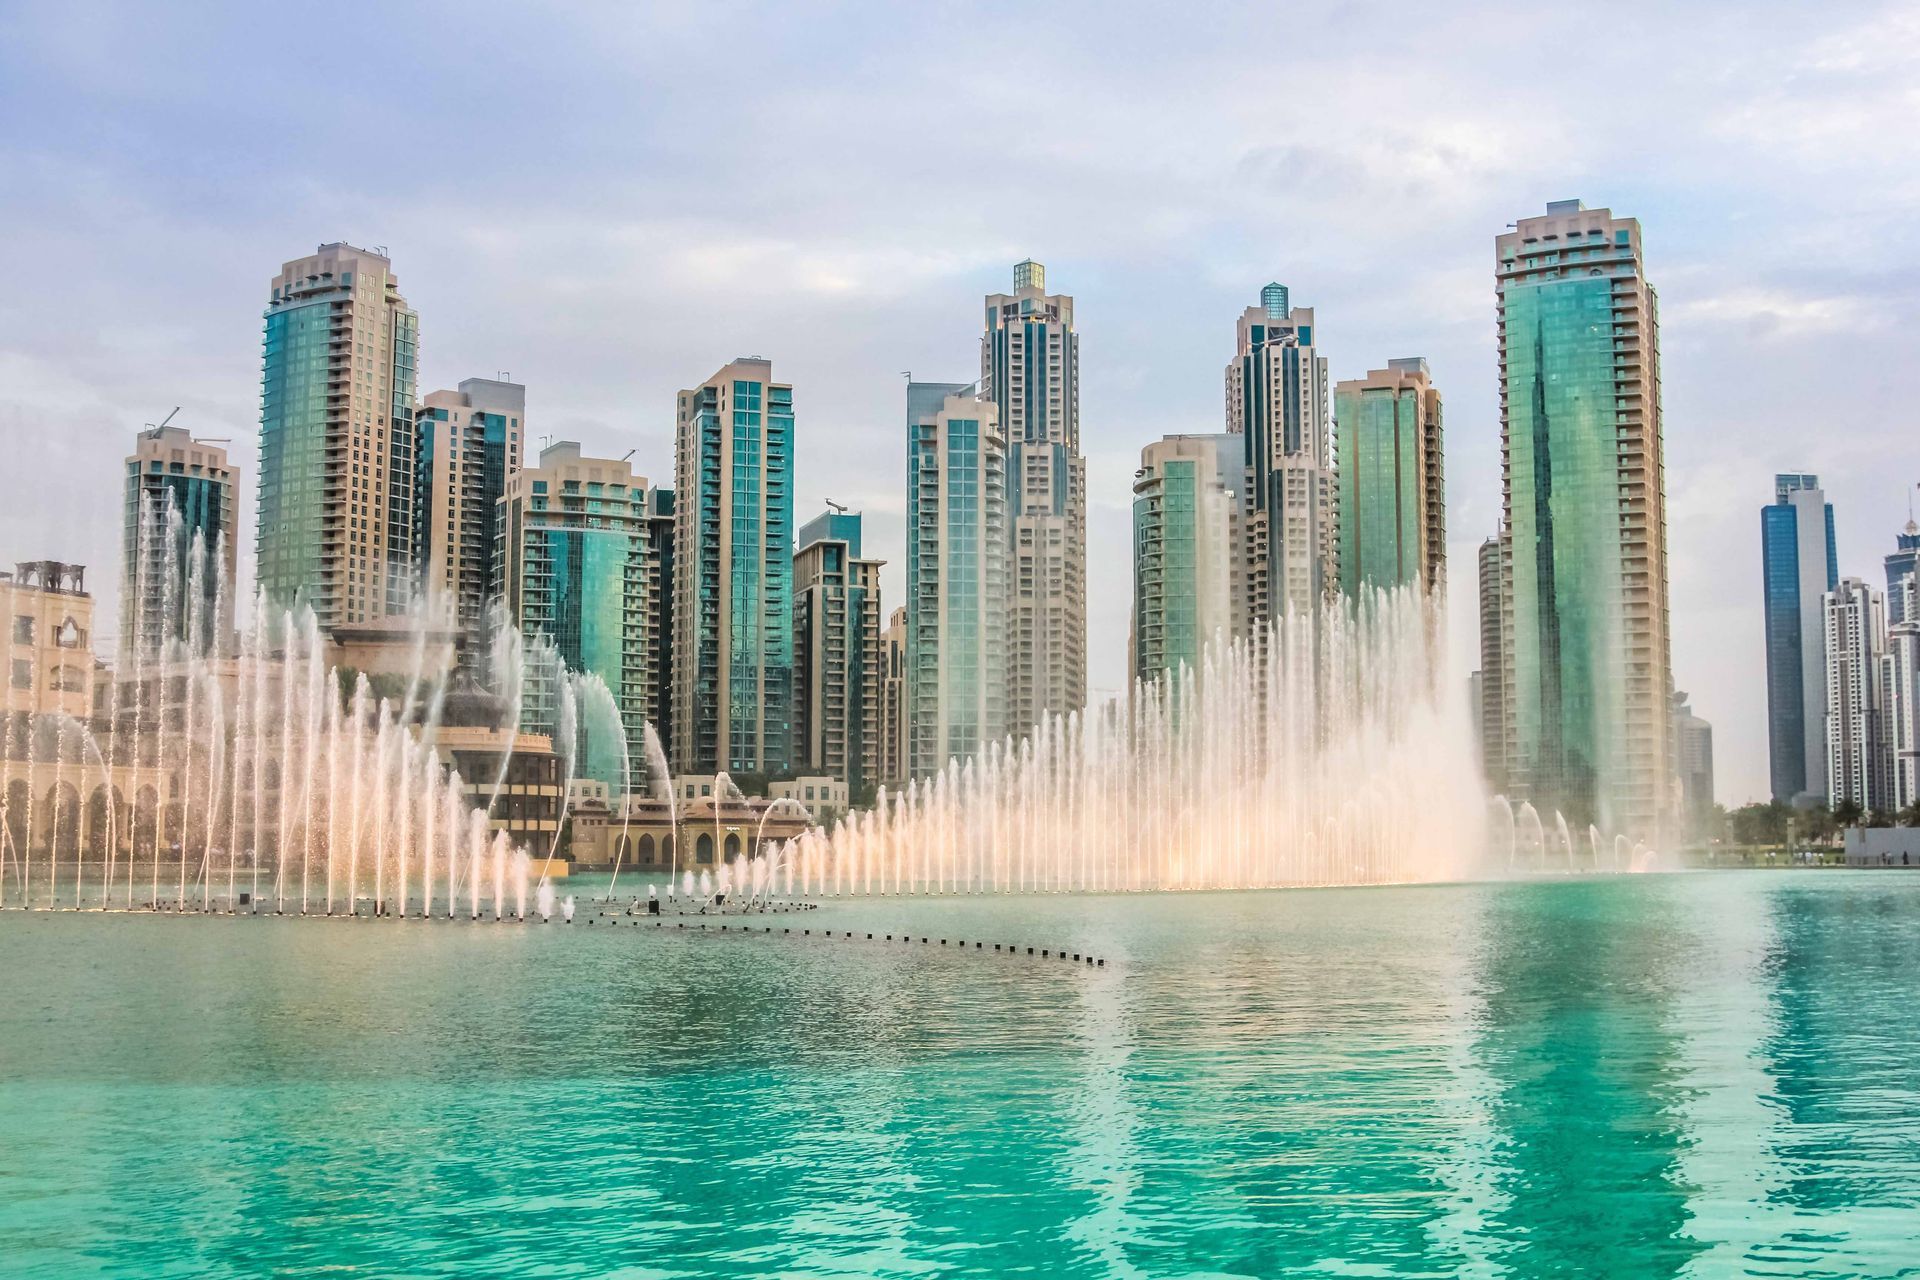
(836, 653)
(179, 487)
(1901, 564)
(893, 700)
(1030, 370)
(1585, 507)
(1859, 766)
(575, 572)
(1900, 686)
(468, 442)
(661, 590)
(1391, 508)
(957, 553)
(1492, 708)
(336, 521)
(1798, 567)
(1693, 761)
(1185, 539)
(1277, 403)
(733, 574)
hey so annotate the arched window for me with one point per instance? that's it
(703, 848)
(646, 848)
(733, 845)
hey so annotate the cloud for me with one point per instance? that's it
(612, 201)
(1777, 313)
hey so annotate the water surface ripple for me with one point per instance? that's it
(1644, 1076)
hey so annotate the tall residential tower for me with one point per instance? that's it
(1030, 370)
(1277, 404)
(178, 488)
(1798, 567)
(1185, 543)
(956, 575)
(1586, 530)
(576, 572)
(837, 654)
(336, 523)
(469, 442)
(1391, 504)
(733, 574)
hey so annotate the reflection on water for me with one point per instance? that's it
(1684, 1075)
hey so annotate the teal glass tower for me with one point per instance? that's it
(178, 489)
(1591, 672)
(467, 443)
(336, 510)
(1185, 538)
(576, 571)
(733, 571)
(1390, 510)
(957, 557)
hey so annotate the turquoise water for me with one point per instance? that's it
(1647, 1076)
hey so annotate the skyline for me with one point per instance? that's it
(1769, 324)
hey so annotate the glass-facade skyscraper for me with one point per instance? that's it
(1859, 756)
(336, 513)
(1585, 509)
(1185, 540)
(574, 571)
(467, 443)
(1494, 657)
(1798, 566)
(1030, 370)
(733, 574)
(957, 595)
(1277, 404)
(837, 653)
(1391, 505)
(1902, 563)
(177, 487)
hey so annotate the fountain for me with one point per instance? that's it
(1327, 752)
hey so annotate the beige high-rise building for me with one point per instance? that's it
(336, 499)
(1030, 370)
(469, 442)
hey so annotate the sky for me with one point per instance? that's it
(610, 202)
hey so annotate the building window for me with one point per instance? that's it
(22, 673)
(22, 629)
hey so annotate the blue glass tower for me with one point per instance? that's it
(1799, 566)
